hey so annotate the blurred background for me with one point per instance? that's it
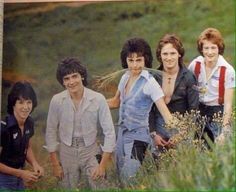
(36, 36)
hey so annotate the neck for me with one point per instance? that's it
(77, 95)
(210, 64)
(171, 71)
(20, 121)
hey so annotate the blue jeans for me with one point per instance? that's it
(11, 182)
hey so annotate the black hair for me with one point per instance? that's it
(139, 46)
(71, 65)
(21, 89)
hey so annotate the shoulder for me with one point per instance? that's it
(30, 126)
(223, 62)
(60, 95)
(30, 121)
(157, 75)
(3, 126)
(57, 98)
(188, 75)
(91, 94)
(194, 61)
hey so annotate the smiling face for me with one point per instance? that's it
(135, 63)
(73, 82)
(169, 57)
(22, 109)
(210, 52)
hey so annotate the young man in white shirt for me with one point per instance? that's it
(73, 119)
(216, 83)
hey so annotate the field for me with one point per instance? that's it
(38, 35)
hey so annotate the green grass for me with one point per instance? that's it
(34, 44)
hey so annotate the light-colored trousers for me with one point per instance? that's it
(77, 160)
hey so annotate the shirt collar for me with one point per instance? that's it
(11, 121)
(144, 74)
(220, 61)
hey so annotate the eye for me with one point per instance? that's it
(20, 101)
(164, 54)
(29, 102)
(130, 60)
(65, 78)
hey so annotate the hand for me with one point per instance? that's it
(58, 171)
(98, 172)
(28, 176)
(170, 143)
(220, 139)
(38, 169)
(159, 141)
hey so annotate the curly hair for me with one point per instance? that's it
(214, 36)
(139, 46)
(21, 89)
(71, 65)
(177, 44)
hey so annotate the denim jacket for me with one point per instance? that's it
(95, 111)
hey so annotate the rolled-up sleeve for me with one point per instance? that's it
(52, 126)
(107, 126)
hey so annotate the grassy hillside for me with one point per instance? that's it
(34, 43)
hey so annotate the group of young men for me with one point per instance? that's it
(144, 101)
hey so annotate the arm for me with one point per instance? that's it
(151, 120)
(161, 106)
(228, 103)
(114, 102)
(32, 161)
(226, 125)
(101, 168)
(56, 166)
(108, 129)
(158, 140)
(51, 138)
(26, 175)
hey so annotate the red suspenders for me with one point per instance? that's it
(221, 80)
(221, 85)
(197, 69)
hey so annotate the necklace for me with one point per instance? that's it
(169, 80)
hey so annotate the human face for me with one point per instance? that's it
(210, 52)
(170, 57)
(22, 109)
(135, 63)
(73, 82)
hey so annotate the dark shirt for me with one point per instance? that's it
(185, 95)
(15, 144)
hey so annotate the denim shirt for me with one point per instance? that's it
(136, 105)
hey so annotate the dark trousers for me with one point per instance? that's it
(211, 128)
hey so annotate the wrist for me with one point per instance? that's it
(153, 135)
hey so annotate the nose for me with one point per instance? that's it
(210, 51)
(71, 81)
(168, 57)
(25, 105)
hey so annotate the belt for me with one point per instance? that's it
(77, 142)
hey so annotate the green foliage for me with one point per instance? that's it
(34, 44)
